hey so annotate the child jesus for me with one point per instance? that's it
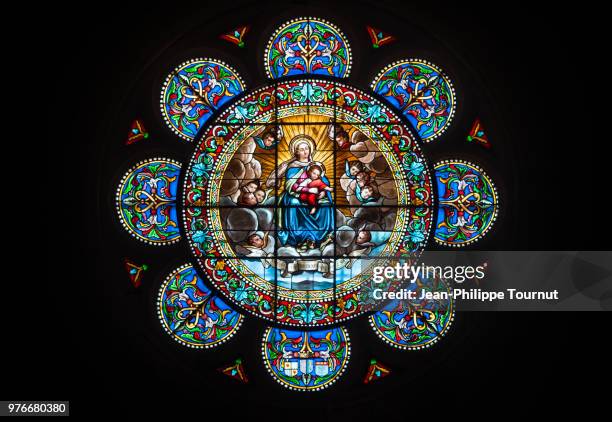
(311, 187)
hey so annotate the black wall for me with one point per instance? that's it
(521, 69)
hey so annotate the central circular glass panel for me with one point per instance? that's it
(295, 193)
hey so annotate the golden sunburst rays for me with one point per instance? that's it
(315, 127)
(341, 158)
(309, 125)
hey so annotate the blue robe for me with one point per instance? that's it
(297, 224)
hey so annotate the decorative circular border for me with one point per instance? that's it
(436, 339)
(174, 72)
(169, 331)
(229, 119)
(495, 202)
(118, 206)
(320, 387)
(220, 127)
(223, 243)
(441, 73)
(282, 27)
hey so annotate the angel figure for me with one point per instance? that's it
(258, 245)
(269, 138)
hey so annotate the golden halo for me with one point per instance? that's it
(299, 139)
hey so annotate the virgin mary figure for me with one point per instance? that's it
(298, 225)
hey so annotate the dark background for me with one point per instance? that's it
(519, 69)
